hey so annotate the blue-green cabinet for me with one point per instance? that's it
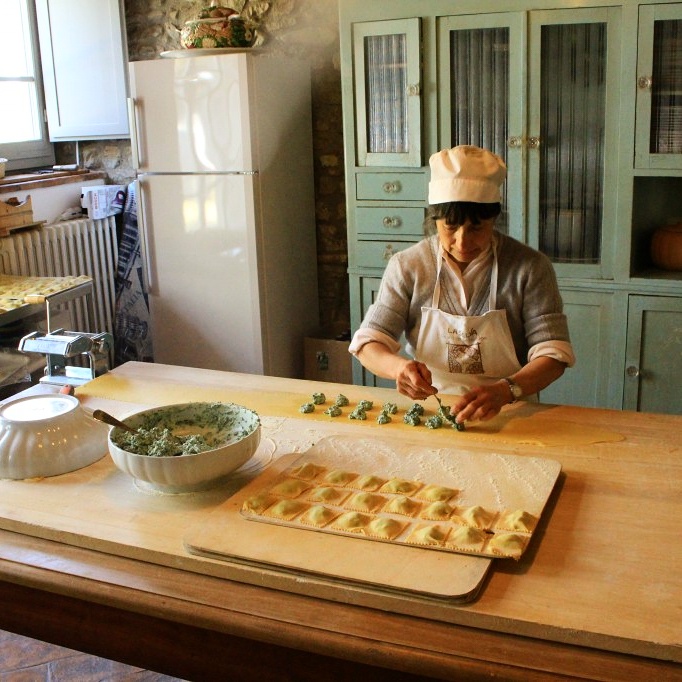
(653, 359)
(364, 290)
(598, 344)
(584, 103)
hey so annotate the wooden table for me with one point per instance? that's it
(597, 596)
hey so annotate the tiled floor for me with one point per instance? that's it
(28, 660)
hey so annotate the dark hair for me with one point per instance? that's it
(459, 212)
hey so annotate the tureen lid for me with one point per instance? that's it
(215, 11)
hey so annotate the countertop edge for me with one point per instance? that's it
(37, 181)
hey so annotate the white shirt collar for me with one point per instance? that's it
(476, 274)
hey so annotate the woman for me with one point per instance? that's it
(481, 312)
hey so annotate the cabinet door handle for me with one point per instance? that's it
(388, 252)
(534, 142)
(645, 82)
(515, 142)
(632, 371)
(391, 187)
(394, 221)
(413, 90)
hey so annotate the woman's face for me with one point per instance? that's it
(463, 243)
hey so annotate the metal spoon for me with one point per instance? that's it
(446, 414)
(102, 416)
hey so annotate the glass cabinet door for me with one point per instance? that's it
(659, 88)
(387, 71)
(482, 61)
(542, 103)
(571, 53)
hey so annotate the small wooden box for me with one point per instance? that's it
(327, 359)
(15, 213)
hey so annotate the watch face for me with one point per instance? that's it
(515, 390)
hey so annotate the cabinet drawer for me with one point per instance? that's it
(390, 221)
(377, 254)
(391, 186)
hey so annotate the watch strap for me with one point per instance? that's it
(514, 389)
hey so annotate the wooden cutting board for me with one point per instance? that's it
(498, 481)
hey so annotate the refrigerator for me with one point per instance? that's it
(222, 147)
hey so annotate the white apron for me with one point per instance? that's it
(463, 351)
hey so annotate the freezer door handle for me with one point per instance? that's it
(134, 137)
(143, 225)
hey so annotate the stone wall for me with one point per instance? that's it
(305, 27)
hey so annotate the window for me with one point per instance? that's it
(23, 132)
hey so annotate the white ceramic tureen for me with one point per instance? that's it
(48, 435)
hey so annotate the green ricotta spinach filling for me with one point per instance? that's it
(186, 430)
(158, 441)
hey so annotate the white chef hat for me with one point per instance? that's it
(466, 173)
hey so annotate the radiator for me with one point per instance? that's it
(74, 247)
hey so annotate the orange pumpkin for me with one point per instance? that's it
(666, 247)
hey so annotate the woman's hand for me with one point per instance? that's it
(482, 402)
(413, 379)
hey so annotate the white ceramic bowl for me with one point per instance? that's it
(234, 427)
(48, 435)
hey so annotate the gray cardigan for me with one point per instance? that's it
(527, 289)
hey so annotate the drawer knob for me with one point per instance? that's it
(632, 371)
(515, 142)
(392, 187)
(388, 252)
(534, 142)
(394, 221)
(645, 82)
(413, 90)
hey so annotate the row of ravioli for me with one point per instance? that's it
(445, 536)
(370, 493)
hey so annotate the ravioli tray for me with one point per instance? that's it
(484, 504)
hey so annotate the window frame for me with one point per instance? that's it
(30, 154)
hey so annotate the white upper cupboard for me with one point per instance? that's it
(83, 55)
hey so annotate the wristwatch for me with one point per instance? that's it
(515, 389)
